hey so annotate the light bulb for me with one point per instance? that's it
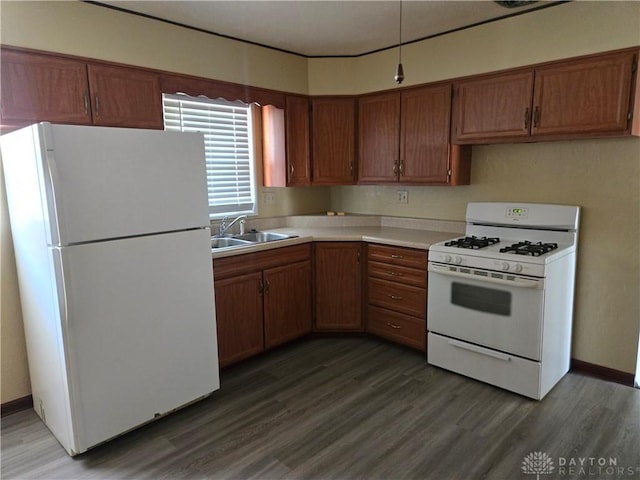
(399, 76)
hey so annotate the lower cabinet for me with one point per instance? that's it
(263, 299)
(239, 317)
(397, 294)
(338, 286)
(287, 302)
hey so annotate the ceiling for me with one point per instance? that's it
(326, 28)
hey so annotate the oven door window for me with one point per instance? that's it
(482, 299)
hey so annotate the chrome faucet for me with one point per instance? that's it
(224, 226)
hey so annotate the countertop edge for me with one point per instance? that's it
(407, 238)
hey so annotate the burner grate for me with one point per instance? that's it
(474, 242)
(529, 248)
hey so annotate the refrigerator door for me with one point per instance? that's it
(103, 183)
(139, 329)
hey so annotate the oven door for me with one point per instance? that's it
(493, 309)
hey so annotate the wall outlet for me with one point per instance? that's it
(269, 198)
(403, 196)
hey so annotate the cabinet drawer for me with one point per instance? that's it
(397, 327)
(406, 257)
(400, 298)
(253, 262)
(502, 370)
(395, 273)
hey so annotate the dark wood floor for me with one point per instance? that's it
(352, 407)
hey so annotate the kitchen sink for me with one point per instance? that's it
(245, 239)
(259, 237)
(221, 242)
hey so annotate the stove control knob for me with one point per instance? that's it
(447, 258)
(504, 266)
(517, 267)
(457, 259)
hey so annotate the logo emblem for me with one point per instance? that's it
(537, 463)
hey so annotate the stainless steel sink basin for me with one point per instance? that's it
(221, 242)
(245, 239)
(259, 237)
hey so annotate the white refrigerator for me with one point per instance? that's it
(113, 251)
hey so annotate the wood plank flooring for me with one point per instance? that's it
(352, 408)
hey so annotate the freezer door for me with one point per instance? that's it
(103, 183)
(139, 330)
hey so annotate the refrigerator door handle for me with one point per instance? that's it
(61, 286)
(49, 177)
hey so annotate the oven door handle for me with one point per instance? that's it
(481, 351)
(520, 282)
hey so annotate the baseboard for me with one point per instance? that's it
(17, 405)
(604, 373)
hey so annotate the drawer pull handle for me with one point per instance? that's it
(393, 325)
(393, 255)
(480, 350)
(395, 274)
(395, 297)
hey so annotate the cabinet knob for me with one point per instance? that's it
(527, 119)
(536, 116)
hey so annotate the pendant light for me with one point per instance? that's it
(399, 76)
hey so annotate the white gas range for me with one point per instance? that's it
(500, 299)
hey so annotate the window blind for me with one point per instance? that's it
(228, 138)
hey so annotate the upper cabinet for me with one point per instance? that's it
(493, 107)
(333, 140)
(39, 87)
(378, 138)
(586, 97)
(286, 148)
(404, 138)
(298, 144)
(125, 97)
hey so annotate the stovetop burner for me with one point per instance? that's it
(529, 248)
(474, 242)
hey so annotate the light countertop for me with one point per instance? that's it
(401, 237)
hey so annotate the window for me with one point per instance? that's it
(229, 152)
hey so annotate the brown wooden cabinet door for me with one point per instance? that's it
(125, 97)
(38, 88)
(287, 303)
(424, 141)
(239, 317)
(378, 138)
(274, 157)
(583, 96)
(298, 145)
(333, 127)
(493, 107)
(338, 286)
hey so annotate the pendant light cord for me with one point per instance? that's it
(400, 36)
(399, 76)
